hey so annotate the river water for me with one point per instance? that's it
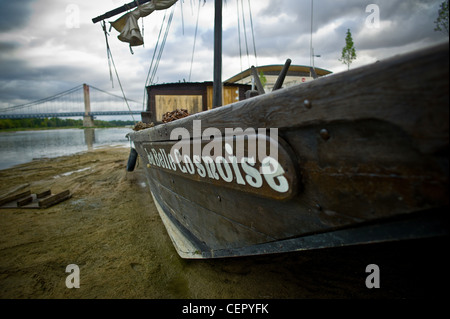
(24, 146)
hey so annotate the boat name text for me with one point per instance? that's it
(225, 168)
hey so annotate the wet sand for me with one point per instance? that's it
(110, 228)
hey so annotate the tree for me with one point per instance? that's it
(348, 52)
(442, 20)
(262, 78)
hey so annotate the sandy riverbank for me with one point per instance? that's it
(112, 231)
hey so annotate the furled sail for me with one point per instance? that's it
(127, 24)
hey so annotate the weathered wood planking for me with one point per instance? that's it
(336, 193)
(208, 226)
(168, 103)
(11, 198)
(409, 91)
(369, 145)
(40, 200)
(266, 218)
(367, 170)
(54, 199)
(239, 175)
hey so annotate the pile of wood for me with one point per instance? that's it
(142, 126)
(39, 200)
(175, 115)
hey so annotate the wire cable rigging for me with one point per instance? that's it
(239, 32)
(245, 32)
(154, 64)
(153, 57)
(195, 40)
(115, 69)
(158, 59)
(253, 31)
(241, 15)
(159, 44)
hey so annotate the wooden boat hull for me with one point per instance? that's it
(364, 158)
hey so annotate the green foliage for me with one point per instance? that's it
(262, 78)
(348, 52)
(442, 20)
(36, 123)
(113, 123)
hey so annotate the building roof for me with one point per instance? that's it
(296, 74)
(178, 85)
(294, 70)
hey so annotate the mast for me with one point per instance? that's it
(119, 10)
(311, 53)
(217, 86)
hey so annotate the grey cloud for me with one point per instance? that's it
(14, 14)
(282, 30)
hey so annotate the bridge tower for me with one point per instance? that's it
(88, 120)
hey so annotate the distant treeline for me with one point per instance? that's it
(55, 122)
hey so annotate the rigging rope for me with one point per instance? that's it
(239, 32)
(169, 23)
(153, 68)
(182, 15)
(108, 53)
(253, 31)
(195, 40)
(153, 58)
(241, 16)
(245, 32)
(108, 49)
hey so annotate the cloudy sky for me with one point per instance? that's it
(49, 46)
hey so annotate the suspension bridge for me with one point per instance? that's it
(82, 101)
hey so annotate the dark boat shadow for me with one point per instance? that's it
(407, 269)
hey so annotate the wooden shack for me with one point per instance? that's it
(194, 97)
